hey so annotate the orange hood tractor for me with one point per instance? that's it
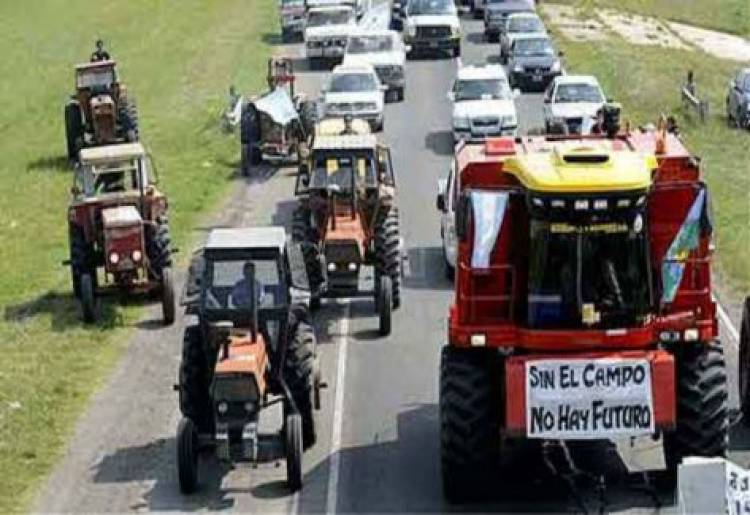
(117, 224)
(100, 112)
(583, 306)
(347, 219)
(253, 346)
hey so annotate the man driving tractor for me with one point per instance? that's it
(247, 286)
(100, 54)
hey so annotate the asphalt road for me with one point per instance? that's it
(378, 431)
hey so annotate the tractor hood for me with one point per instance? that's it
(278, 105)
(121, 216)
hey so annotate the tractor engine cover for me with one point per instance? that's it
(104, 118)
(123, 239)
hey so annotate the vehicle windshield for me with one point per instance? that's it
(420, 7)
(367, 44)
(533, 47)
(352, 83)
(593, 275)
(338, 171)
(578, 93)
(113, 177)
(478, 89)
(525, 24)
(96, 78)
(323, 18)
(232, 284)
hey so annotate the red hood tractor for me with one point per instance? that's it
(100, 112)
(347, 218)
(253, 346)
(117, 222)
(583, 305)
(278, 124)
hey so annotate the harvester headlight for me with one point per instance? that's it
(352, 267)
(114, 258)
(640, 200)
(537, 202)
(623, 202)
(478, 340)
(581, 205)
(691, 335)
(557, 203)
(222, 407)
(331, 267)
(600, 204)
(136, 255)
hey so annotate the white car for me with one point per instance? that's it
(432, 25)
(327, 30)
(446, 204)
(483, 104)
(354, 90)
(385, 51)
(571, 103)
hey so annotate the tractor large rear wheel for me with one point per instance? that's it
(744, 358)
(158, 247)
(470, 409)
(187, 456)
(88, 298)
(73, 129)
(299, 375)
(168, 307)
(388, 251)
(702, 411)
(195, 381)
(128, 114)
(80, 257)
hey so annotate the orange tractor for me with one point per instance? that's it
(100, 112)
(117, 223)
(583, 307)
(347, 218)
(253, 346)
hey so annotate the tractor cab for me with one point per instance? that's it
(96, 78)
(115, 170)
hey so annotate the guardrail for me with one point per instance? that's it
(690, 98)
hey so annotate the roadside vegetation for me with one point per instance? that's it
(731, 16)
(178, 60)
(647, 81)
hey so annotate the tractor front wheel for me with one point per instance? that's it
(384, 304)
(167, 296)
(187, 456)
(79, 256)
(195, 381)
(293, 445)
(128, 113)
(158, 248)
(471, 404)
(702, 412)
(299, 375)
(744, 358)
(73, 129)
(88, 298)
(388, 251)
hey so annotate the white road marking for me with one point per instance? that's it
(338, 412)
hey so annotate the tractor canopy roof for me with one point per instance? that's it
(336, 126)
(247, 238)
(96, 75)
(346, 142)
(125, 151)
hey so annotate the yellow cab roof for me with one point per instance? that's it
(582, 166)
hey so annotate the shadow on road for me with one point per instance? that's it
(440, 142)
(427, 270)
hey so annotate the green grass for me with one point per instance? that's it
(647, 81)
(178, 59)
(725, 15)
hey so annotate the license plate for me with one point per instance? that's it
(588, 398)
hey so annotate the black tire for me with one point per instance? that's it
(477, 14)
(457, 51)
(195, 381)
(256, 156)
(168, 307)
(702, 404)
(302, 228)
(128, 114)
(744, 365)
(400, 94)
(80, 257)
(293, 445)
(315, 268)
(187, 456)
(450, 271)
(471, 403)
(388, 251)
(88, 298)
(299, 375)
(158, 247)
(384, 304)
(73, 129)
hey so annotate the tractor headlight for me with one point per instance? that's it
(331, 267)
(114, 258)
(352, 267)
(136, 255)
(222, 407)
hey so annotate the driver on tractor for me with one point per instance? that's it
(100, 54)
(245, 288)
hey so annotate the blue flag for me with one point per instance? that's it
(687, 239)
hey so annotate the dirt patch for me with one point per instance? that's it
(572, 26)
(640, 30)
(719, 44)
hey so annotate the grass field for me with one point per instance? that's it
(647, 81)
(725, 15)
(178, 59)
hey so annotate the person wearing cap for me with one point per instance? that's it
(242, 293)
(99, 54)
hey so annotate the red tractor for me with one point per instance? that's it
(117, 222)
(583, 306)
(100, 112)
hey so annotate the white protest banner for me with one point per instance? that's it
(588, 398)
(737, 489)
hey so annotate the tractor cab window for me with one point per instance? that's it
(116, 177)
(96, 78)
(588, 275)
(343, 171)
(232, 284)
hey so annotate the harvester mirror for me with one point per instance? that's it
(462, 216)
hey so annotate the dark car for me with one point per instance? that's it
(738, 100)
(533, 62)
(517, 25)
(496, 11)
